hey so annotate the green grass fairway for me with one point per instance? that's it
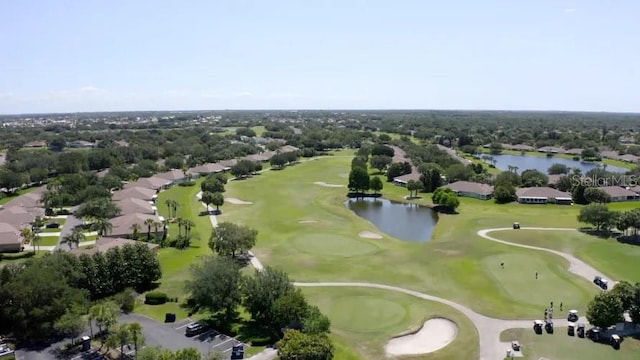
(175, 263)
(518, 280)
(452, 265)
(561, 346)
(614, 259)
(367, 318)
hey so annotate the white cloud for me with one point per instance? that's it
(570, 10)
(91, 89)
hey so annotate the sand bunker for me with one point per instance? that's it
(307, 221)
(369, 235)
(432, 336)
(237, 201)
(321, 183)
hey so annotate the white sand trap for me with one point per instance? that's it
(237, 201)
(307, 221)
(432, 336)
(369, 235)
(322, 183)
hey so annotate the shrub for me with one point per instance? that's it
(187, 183)
(126, 300)
(63, 212)
(155, 298)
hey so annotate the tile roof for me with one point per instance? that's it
(470, 187)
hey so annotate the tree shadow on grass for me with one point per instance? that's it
(631, 239)
(603, 234)
(253, 333)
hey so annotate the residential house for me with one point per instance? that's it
(471, 189)
(608, 154)
(618, 193)
(176, 176)
(136, 206)
(228, 163)
(36, 144)
(404, 179)
(574, 151)
(122, 226)
(635, 189)
(105, 243)
(542, 195)
(10, 239)
(209, 168)
(286, 149)
(516, 147)
(19, 216)
(135, 192)
(629, 158)
(121, 143)
(29, 200)
(262, 157)
(550, 150)
(154, 182)
(78, 144)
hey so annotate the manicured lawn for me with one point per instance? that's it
(616, 260)
(175, 263)
(48, 240)
(367, 318)
(454, 265)
(561, 346)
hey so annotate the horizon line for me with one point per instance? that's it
(320, 110)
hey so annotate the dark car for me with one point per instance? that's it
(196, 328)
(602, 283)
(53, 225)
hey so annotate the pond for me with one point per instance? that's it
(543, 163)
(408, 222)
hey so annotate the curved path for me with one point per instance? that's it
(576, 265)
(488, 329)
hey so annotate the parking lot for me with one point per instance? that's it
(172, 336)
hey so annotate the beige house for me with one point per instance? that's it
(106, 243)
(10, 240)
(176, 176)
(404, 179)
(618, 193)
(135, 192)
(122, 226)
(471, 189)
(136, 206)
(154, 183)
(209, 168)
(542, 195)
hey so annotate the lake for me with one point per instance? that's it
(408, 222)
(543, 163)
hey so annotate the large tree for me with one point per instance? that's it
(215, 285)
(217, 200)
(228, 239)
(504, 193)
(534, 178)
(207, 198)
(358, 180)
(262, 290)
(595, 195)
(597, 215)
(446, 197)
(605, 310)
(380, 162)
(376, 184)
(296, 345)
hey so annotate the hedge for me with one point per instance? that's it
(155, 298)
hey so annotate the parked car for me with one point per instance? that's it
(53, 225)
(601, 282)
(196, 328)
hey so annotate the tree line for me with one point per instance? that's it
(35, 296)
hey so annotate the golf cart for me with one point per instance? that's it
(581, 330)
(615, 341)
(573, 316)
(601, 282)
(571, 329)
(537, 326)
(516, 226)
(549, 327)
(594, 334)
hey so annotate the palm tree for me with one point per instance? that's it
(119, 338)
(136, 230)
(169, 204)
(75, 237)
(175, 205)
(149, 222)
(156, 225)
(36, 228)
(165, 228)
(188, 224)
(135, 331)
(180, 222)
(105, 313)
(102, 226)
(27, 236)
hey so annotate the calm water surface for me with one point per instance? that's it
(540, 163)
(404, 221)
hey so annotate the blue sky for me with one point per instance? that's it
(59, 56)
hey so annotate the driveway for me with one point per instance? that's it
(69, 224)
